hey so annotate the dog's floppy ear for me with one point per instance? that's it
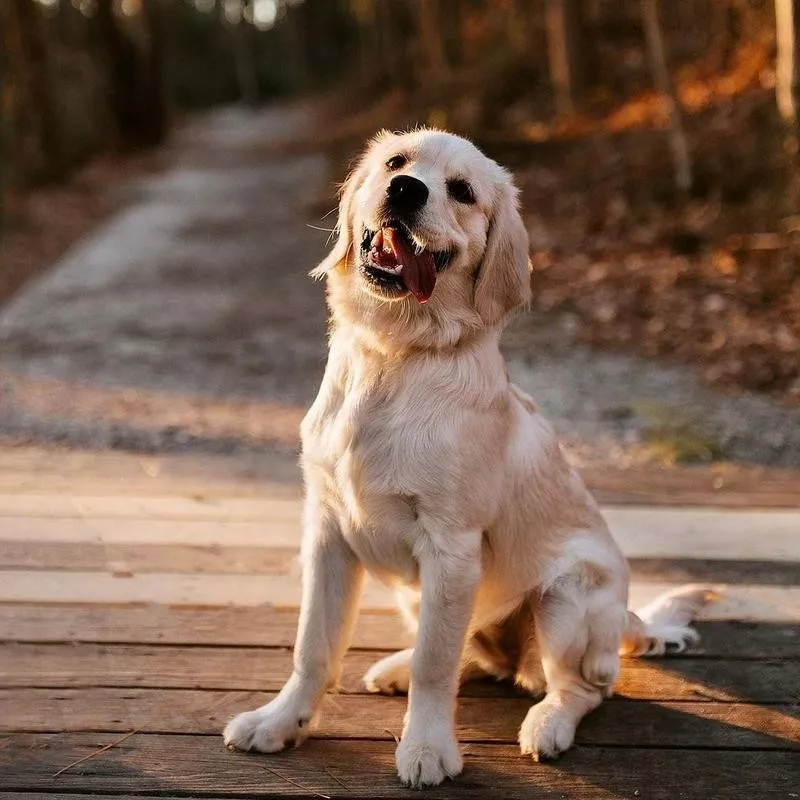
(503, 281)
(337, 258)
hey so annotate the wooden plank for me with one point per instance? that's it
(229, 560)
(241, 627)
(260, 669)
(201, 766)
(154, 624)
(721, 487)
(646, 532)
(277, 530)
(62, 796)
(736, 602)
(708, 724)
(138, 559)
(198, 507)
(248, 522)
(712, 571)
(171, 588)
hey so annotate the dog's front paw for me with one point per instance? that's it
(427, 760)
(271, 728)
(547, 731)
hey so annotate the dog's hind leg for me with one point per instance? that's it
(393, 673)
(578, 629)
(529, 673)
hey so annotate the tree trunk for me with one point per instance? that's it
(246, 77)
(663, 81)
(134, 78)
(32, 144)
(564, 24)
(516, 28)
(435, 63)
(722, 32)
(297, 48)
(390, 55)
(154, 121)
(787, 72)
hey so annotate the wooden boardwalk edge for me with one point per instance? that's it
(36, 469)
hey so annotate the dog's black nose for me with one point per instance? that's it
(406, 194)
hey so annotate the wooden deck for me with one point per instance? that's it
(143, 602)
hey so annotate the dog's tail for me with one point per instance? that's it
(665, 622)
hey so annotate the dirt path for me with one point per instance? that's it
(188, 321)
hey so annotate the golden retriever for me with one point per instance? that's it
(425, 466)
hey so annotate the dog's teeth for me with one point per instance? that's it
(377, 240)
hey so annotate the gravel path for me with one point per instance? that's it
(188, 321)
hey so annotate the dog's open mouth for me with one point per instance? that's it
(394, 264)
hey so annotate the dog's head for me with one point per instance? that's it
(429, 231)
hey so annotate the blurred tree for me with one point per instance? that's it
(83, 74)
(516, 27)
(134, 75)
(153, 88)
(32, 146)
(787, 72)
(392, 58)
(661, 76)
(297, 46)
(429, 23)
(241, 38)
(565, 48)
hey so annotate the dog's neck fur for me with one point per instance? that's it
(394, 329)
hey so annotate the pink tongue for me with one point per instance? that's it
(418, 270)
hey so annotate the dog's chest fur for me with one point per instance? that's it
(383, 445)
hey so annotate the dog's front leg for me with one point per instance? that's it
(332, 579)
(449, 575)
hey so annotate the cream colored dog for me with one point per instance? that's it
(425, 466)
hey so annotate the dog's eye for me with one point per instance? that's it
(396, 162)
(460, 191)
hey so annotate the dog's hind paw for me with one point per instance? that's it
(391, 674)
